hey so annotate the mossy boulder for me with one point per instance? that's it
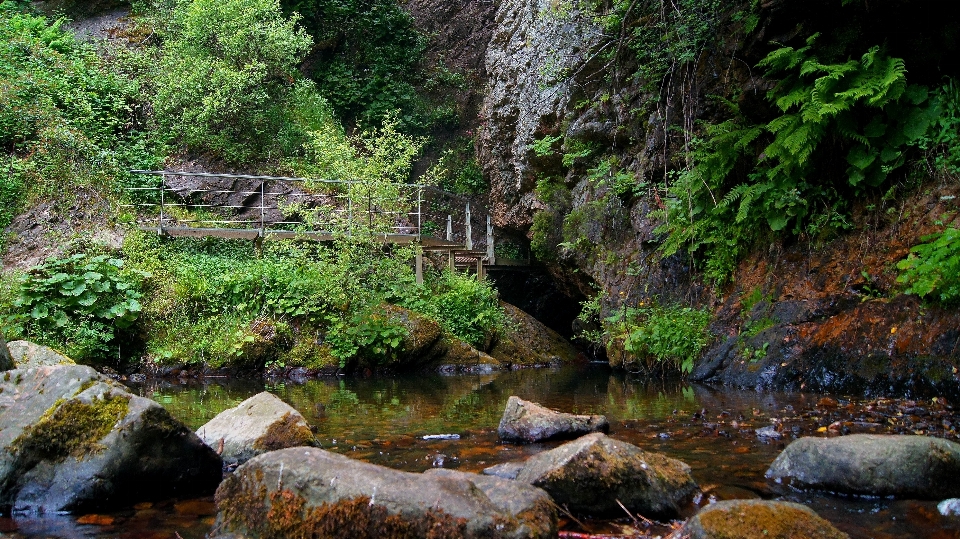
(590, 474)
(758, 519)
(528, 422)
(526, 341)
(459, 356)
(309, 492)
(27, 355)
(257, 425)
(74, 440)
(918, 467)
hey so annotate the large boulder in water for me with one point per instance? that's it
(750, 519)
(309, 492)
(527, 341)
(27, 355)
(879, 465)
(257, 425)
(590, 474)
(528, 422)
(73, 440)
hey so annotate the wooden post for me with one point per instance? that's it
(479, 268)
(469, 229)
(419, 266)
(6, 362)
(452, 260)
(491, 256)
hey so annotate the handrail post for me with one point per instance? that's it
(350, 209)
(163, 180)
(419, 265)
(262, 211)
(419, 213)
(491, 256)
(469, 231)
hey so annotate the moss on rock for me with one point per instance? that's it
(72, 428)
(747, 519)
(290, 431)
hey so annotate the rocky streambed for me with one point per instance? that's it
(725, 440)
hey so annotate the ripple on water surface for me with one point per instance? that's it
(384, 419)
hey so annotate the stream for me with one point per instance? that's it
(384, 420)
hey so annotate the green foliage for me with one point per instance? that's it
(227, 80)
(748, 181)
(933, 267)
(67, 119)
(368, 62)
(77, 304)
(661, 337)
(367, 334)
(661, 39)
(462, 173)
(942, 141)
(465, 307)
(204, 296)
(544, 147)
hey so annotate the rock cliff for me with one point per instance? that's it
(560, 103)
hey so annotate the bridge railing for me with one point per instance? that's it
(267, 205)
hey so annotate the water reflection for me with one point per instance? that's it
(384, 420)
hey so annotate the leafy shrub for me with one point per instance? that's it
(67, 116)
(661, 337)
(748, 179)
(942, 141)
(933, 267)
(368, 61)
(77, 303)
(228, 81)
(467, 308)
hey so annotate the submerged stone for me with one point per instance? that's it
(74, 440)
(309, 492)
(257, 425)
(589, 475)
(528, 422)
(919, 467)
(755, 519)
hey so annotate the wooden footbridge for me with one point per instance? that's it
(238, 206)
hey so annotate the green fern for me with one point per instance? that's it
(770, 178)
(933, 267)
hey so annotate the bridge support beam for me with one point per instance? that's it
(419, 266)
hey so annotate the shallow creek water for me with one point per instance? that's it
(384, 419)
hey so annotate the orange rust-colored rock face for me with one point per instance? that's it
(833, 317)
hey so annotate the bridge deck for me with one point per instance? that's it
(428, 242)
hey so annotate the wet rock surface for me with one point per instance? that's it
(73, 440)
(27, 355)
(748, 519)
(257, 425)
(918, 467)
(310, 492)
(589, 475)
(527, 422)
(6, 361)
